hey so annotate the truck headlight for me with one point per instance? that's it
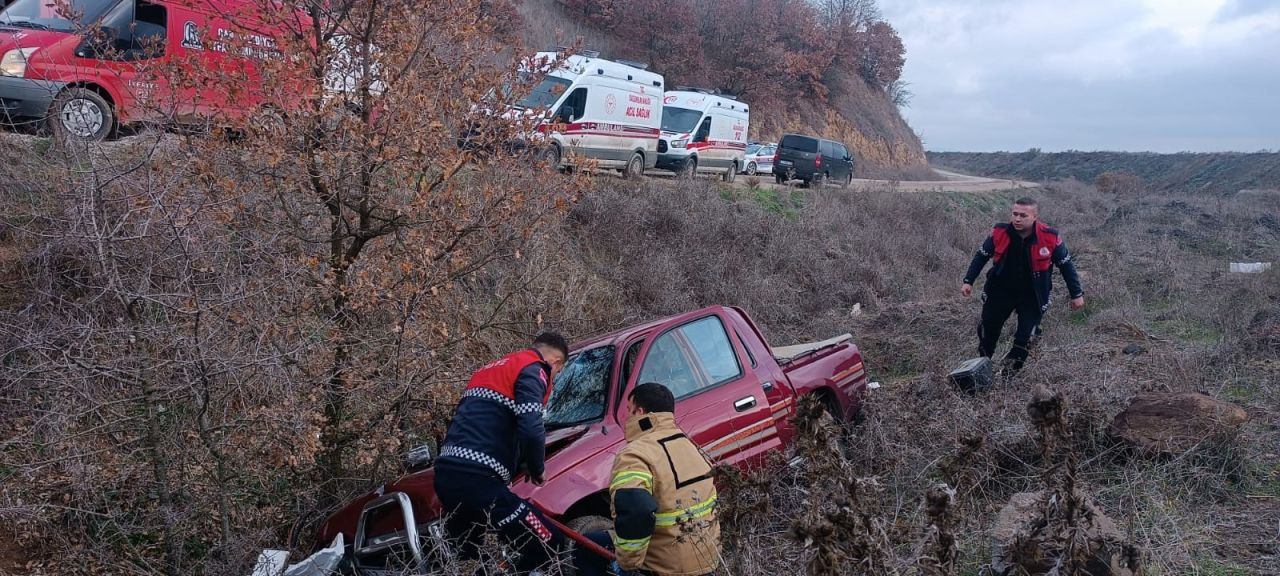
(679, 143)
(14, 62)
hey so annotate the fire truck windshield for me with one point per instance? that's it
(67, 16)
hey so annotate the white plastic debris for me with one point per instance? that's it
(873, 385)
(1250, 267)
(270, 563)
(322, 563)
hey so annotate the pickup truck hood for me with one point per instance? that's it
(420, 485)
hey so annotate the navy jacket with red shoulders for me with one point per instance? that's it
(1046, 249)
(497, 425)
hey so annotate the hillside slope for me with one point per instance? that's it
(838, 85)
(1212, 172)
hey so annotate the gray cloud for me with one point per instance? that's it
(1193, 75)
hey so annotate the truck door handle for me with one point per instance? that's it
(744, 403)
(767, 386)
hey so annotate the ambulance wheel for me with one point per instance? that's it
(751, 168)
(583, 525)
(690, 169)
(550, 156)
(81, 114)
(635, 166)
(731, 173)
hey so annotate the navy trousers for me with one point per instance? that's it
(476, 501)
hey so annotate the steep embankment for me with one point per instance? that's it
(1213, 172)
(836, 79)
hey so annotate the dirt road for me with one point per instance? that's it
(949, 182)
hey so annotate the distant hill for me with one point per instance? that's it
(1212, 172)
(824, 67)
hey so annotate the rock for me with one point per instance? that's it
(1134, 349)
(1176, 422)
(1023, 542)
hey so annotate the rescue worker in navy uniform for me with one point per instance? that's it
(1023, 252)
(663, 498)
(497, 428)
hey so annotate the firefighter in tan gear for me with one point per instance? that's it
(663, 498)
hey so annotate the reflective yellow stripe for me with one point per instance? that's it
(629, 545)
(692, 513)
(630, 475)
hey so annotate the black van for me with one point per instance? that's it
(812, 160)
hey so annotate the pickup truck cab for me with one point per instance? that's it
(734, 398)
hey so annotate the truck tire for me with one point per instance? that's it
(779, 179)
(80, 114)
(818, 180)
(731, 173)
(550, 156)
(582, 525)
(751, 168)
(690, 169)
(635, 167)
(848, 181)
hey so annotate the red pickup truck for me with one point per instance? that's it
(734, 397)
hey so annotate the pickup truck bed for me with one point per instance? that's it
(785, 354)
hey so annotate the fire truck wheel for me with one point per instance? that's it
(81, 114)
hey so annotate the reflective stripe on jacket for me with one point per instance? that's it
(663, 501)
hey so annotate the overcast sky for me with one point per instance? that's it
(1134, 75)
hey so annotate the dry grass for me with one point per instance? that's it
(1155, 272)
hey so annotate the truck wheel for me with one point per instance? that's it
(690, 169)
(848, 181)
(583, 525)
(635, 166)
(550, 156)
(818, 180)
(751, 168)
(731, 173)
(81, 114)
(268, 122)
(779, 179)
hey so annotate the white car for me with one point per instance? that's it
(759, 158)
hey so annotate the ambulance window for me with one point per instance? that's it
(704, 131)
(578, 101)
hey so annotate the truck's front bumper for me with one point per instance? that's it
(673, 162)
(26, 98)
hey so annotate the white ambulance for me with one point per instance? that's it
(703, 132)
(597, 109)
